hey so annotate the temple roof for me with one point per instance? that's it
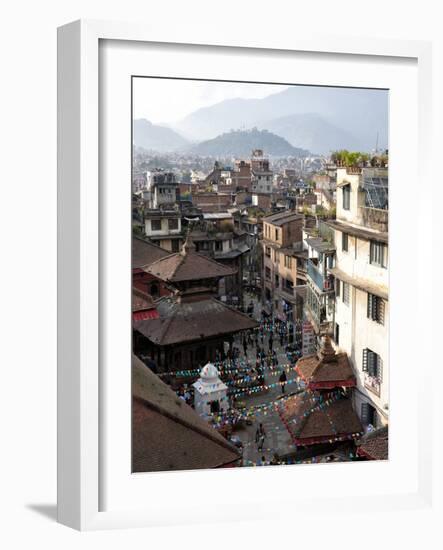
(167, 433)
(141, 300)
(326, 369)
(374, 445)
(145, 252)
(188, 265)
(309, 423)
(187, 321)
(143, 306)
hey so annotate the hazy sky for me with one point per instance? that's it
(168, 100)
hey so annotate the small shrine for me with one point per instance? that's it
(210, 393)
(323, 413)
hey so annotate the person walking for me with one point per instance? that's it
(283, 379)
(271, 342)
(260, 436)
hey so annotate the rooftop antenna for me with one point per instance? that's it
(376, 145)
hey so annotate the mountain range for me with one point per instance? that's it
(158, 138)
(315, 118)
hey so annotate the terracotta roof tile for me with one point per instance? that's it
(167, 433)
(188, 321)
(375, 445)
(308, 423)
(188, 266)
(326, 369)
(145, 252)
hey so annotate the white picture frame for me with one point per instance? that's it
(81, 258)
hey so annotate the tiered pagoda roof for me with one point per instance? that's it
(312, 419)
(319, 414)
(188, 321)
(326, 369)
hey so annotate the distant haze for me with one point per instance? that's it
(314, 118)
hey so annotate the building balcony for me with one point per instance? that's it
(323, 283)
(374, 218)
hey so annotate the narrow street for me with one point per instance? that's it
(264, 403)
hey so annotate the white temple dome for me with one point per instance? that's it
(209, 372)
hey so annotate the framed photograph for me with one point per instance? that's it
(235, 216)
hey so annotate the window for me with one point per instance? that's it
(344, 242)
(173, 223)
(346, 293)
(218, 246)
(268, 252)
(368, 414)
(346, 190)
(156, 225)
(337, 333)
(267, 273)
(289, 285)
(288, 262)
(277, 280)
(372, 364)
(276, 234)
(153, 290)
(175, 245)
(337, 287)
(377, 253)
(376, 308)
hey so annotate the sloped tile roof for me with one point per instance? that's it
(375, 445)
(167, 433)
(326, 369)
(308, 423)
(188, 321)
(187, 265)
(145, 252)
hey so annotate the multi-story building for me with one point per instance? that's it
(163, 189)
(227, 248)
(320, 296)
(361, 286)
(284, 274)
(163, 228)
(261, 174)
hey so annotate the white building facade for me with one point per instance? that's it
(361, 287)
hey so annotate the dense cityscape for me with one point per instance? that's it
(260, 310)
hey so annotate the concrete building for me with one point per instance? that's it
(163, 189)
(284, 273)
(320, 298)
(361, 286)
(163, 228)
(261, 175)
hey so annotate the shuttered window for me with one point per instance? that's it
(346, 293)
(344, 242)
(376, 308)
(368, 415)
(372, 364)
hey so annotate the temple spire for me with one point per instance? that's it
(326, 352)
(188, 245)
